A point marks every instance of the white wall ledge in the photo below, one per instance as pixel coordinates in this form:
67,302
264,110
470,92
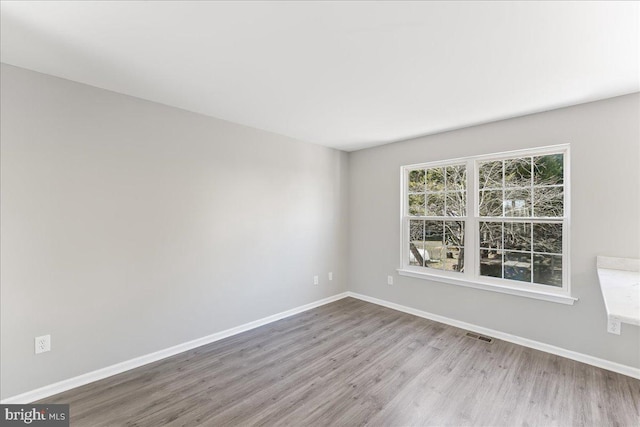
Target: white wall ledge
620,285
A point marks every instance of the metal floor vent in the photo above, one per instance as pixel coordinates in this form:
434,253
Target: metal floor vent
479,337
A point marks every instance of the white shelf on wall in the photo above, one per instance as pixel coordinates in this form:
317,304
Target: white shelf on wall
620,285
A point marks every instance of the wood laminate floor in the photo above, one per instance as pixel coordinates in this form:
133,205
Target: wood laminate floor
353,363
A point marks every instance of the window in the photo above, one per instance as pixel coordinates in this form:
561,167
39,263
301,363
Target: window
437,206
498,222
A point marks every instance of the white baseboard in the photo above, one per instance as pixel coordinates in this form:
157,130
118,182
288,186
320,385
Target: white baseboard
89,377
569,354
118,368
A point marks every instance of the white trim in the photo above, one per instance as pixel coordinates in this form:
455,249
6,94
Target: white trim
537,345
471,276
80,380
549,149
89,377
494,287
471,260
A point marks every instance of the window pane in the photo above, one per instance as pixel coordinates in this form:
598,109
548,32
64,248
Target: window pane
517,266
416,255
417,181
547,270
490,263
456,203
435,179
548,202
517,203
547,238
434,256
434,231
454,233
454,260
435,204
490,174
548,170
517,236
456,177
416,242
416,230
434,238
491,203
416,204
517,172
491,235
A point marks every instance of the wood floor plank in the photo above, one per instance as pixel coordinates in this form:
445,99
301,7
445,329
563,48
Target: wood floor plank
356,363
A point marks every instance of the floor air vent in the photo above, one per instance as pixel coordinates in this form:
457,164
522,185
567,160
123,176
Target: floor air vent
479,337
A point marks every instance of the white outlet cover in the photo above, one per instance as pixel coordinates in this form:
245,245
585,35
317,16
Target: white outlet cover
389,280
614,326
42,344
315,280
330,275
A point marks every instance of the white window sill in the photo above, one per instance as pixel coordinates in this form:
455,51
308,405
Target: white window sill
545,296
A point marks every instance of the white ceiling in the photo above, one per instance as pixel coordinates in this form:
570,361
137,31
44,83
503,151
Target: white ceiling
343,74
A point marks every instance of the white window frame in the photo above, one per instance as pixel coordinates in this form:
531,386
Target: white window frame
471,276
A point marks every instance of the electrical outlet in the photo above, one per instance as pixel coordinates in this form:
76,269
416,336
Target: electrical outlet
330,275
390,280
613,326
43,344
316,280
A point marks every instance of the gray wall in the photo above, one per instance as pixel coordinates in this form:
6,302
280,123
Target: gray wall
605,207
129,227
